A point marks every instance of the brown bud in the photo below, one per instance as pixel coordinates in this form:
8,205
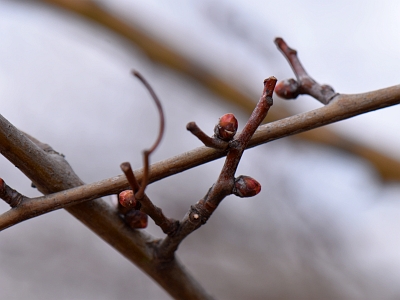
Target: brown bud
127,199
136,219
226,127
287,89
245,186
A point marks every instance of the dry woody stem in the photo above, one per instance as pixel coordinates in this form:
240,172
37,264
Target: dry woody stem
290,88
341,108
146,153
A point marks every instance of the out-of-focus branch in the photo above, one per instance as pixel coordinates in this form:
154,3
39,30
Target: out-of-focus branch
341,108
388,167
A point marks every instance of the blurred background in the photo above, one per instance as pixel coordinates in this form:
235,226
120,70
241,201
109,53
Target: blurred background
325,225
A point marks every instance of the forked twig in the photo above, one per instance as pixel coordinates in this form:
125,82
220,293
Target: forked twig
305,84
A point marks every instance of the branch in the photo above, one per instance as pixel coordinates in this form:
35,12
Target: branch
226,184
341,108
211,142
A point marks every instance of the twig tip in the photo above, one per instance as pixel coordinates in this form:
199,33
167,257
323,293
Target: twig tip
125,166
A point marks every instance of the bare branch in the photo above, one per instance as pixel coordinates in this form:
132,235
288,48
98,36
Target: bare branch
290,88
341,108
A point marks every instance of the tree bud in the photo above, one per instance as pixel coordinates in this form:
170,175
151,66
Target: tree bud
136,219
127,199
287,89
226,127
245,186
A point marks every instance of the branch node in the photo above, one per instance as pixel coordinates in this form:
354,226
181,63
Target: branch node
11,196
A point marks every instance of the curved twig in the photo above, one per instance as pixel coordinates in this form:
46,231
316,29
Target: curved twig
146,153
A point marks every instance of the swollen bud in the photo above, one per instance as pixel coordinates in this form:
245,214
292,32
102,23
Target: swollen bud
287,89
245,186
136,219
226,127
127,199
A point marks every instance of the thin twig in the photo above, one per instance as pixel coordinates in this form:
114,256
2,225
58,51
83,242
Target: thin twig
208,141
167,225
146,153
305,84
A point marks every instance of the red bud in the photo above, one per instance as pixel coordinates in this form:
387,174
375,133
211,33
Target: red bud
287,89
127,199
226,127
245,186
136,219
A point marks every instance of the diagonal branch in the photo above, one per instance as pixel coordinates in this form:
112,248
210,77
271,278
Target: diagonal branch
199,213
51,173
